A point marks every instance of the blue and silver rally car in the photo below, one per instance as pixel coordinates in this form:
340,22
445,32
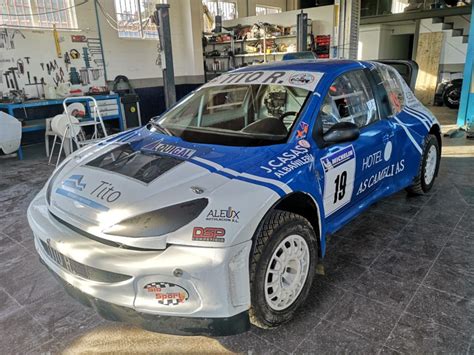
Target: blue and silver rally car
215,214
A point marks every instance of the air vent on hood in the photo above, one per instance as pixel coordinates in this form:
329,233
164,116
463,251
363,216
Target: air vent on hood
124,160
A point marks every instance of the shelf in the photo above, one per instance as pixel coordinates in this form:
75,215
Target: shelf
260,54
253,39
219,57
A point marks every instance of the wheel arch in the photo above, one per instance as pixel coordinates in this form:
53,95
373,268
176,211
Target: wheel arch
300,203
436,131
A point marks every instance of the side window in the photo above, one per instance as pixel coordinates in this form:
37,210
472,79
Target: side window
392,85
350,99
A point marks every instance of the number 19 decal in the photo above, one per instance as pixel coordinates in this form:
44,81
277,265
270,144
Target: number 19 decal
339,171
340,186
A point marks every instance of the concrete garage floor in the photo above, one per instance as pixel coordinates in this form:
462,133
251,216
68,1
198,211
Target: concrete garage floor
400,278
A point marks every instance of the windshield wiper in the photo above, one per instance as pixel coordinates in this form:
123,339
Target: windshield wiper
160,128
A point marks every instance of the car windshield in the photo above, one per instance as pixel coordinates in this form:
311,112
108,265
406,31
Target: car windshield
251,114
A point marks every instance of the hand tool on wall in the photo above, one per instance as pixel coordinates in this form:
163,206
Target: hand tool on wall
7,79
74,54
56,41
67,60
48,68
27,60
84,73
61,73
42,66
29,79
56,64
20,65
35,79
12,70
85,56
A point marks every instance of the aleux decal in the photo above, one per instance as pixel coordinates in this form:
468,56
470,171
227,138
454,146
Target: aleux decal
228,215
209,234
167,293
288,161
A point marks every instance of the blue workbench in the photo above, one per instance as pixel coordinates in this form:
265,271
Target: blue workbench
39,122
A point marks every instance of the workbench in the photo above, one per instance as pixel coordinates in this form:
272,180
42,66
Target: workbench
109,106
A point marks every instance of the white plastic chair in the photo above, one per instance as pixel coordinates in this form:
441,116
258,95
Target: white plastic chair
96,121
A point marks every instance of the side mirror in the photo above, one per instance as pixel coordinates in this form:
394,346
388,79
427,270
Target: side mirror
341,132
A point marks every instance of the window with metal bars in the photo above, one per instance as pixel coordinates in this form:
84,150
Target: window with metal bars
38,13
266,10
226,9
134,18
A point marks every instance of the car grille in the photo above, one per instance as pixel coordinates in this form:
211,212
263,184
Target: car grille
81,270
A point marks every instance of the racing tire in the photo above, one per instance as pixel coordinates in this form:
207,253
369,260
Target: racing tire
452,96
269,282
428,169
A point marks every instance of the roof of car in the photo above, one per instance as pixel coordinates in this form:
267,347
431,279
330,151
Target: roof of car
311,65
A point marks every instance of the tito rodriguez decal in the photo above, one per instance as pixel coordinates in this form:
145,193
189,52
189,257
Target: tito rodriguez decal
304,80
103,191
167,293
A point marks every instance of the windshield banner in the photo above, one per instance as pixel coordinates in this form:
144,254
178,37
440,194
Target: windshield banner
299,79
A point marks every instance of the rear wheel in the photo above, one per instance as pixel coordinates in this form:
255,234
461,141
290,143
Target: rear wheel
429,166
282,268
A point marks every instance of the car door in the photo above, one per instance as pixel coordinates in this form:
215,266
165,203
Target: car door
352,173
408,70
395,98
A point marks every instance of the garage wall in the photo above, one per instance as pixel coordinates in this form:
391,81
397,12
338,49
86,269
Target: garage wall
453,51
384,41
39,45
246,8
136,58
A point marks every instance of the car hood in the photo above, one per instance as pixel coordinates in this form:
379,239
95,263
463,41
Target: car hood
141,171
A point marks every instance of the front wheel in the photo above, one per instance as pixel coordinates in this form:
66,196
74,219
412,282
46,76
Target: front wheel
282,268
429,166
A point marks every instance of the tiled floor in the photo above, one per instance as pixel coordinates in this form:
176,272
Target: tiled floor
400,278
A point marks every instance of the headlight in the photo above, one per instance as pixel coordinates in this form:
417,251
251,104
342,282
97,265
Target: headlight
163,221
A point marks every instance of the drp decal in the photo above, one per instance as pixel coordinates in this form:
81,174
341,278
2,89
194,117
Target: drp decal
339,172
208,234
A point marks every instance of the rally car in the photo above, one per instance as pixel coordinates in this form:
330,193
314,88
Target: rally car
216,213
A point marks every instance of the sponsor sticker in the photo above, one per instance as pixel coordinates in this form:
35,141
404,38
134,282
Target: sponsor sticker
338,158
167,293
304,80
304,143
227,215
170,149
104,192
339,173
302,130
288,161
209,234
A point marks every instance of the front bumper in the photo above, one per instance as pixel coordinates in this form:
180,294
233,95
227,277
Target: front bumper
211,296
